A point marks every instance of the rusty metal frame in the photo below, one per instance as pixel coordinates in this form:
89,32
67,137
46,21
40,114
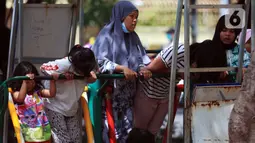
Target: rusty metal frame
187,70
17,23
211,108
186,121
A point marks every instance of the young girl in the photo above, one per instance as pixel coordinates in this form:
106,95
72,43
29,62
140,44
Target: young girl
29,105
62,110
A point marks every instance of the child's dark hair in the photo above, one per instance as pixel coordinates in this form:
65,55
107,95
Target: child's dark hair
22,69
140,136
82,59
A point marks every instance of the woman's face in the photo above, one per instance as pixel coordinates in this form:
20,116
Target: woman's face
227,36
131,20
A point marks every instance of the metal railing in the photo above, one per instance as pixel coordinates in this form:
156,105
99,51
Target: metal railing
4,89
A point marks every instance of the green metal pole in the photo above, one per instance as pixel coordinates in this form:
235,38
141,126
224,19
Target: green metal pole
2,111
95,110
95,99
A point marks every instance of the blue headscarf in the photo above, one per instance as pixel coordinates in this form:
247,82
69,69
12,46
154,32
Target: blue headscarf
115,45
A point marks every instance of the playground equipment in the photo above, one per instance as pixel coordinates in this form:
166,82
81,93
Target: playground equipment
190,115
92,118
21,48
33,39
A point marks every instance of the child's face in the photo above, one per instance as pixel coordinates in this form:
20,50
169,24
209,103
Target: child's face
30,85
247,46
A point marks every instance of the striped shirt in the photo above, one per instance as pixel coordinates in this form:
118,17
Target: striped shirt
159,87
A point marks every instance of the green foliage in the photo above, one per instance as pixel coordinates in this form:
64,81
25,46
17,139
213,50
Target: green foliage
167,17
97,12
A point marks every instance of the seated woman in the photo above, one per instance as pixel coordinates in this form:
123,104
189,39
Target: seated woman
224,39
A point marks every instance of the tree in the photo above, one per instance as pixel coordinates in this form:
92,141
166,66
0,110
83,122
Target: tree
97,12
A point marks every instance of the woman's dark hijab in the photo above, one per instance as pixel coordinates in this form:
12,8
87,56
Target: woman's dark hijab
212,53
219,27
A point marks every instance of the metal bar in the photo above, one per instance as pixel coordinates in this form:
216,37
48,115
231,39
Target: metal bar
99,76
252,25
242,40
173,71
187,123
48,5
216,6
121,76
3,113
36,60
10,66
20,30
73,27
11,56
62,77
13,37
81,22
5,97
216,69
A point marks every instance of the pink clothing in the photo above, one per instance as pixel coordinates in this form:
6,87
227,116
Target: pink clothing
149,113
34,123
247,37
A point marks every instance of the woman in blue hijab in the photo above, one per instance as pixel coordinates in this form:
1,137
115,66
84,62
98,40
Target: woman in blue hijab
118,49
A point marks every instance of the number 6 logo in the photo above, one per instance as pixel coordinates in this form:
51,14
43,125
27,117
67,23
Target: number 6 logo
235,19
